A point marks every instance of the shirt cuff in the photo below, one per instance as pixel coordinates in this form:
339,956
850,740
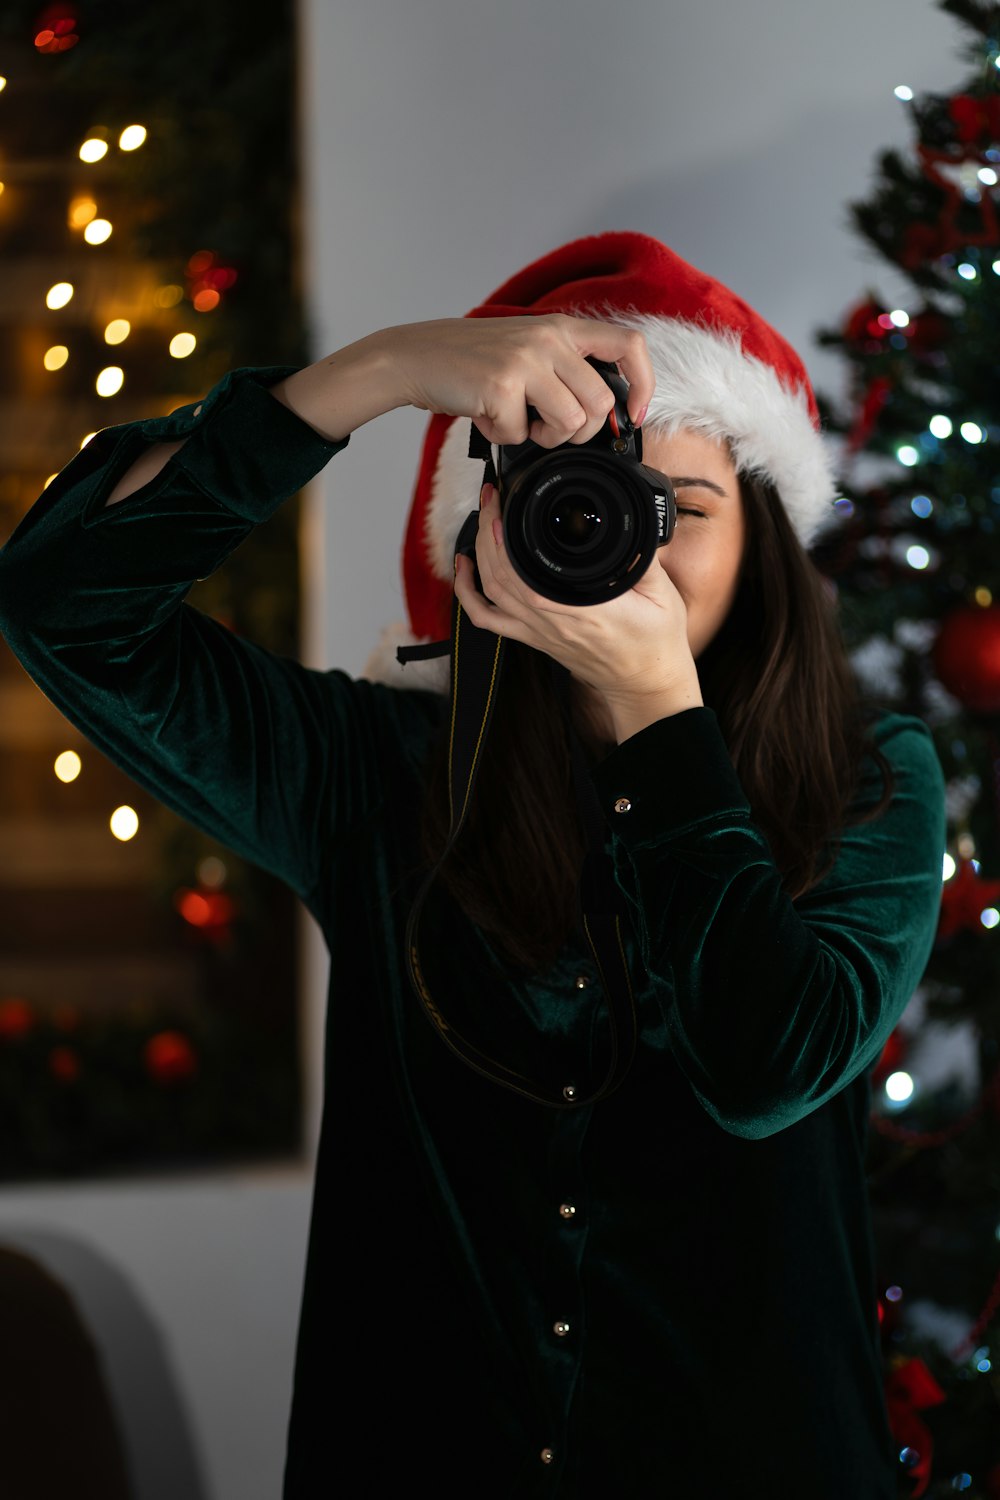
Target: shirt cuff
672,774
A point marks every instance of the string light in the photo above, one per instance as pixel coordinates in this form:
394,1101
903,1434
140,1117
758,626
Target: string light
59,295
97,231
110,381
81,211
972,432
908,456
67,766
903,92
3,83
56,357
949,867
918,557
117,331
132,137
899,1088
168,296
941,426
93,149
182,344
124,823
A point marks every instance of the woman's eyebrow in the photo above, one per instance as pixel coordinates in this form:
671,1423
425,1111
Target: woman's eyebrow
707,484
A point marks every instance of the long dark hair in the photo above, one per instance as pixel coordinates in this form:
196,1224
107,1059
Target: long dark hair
793,715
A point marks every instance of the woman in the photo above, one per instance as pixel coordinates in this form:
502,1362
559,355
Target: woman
671,1290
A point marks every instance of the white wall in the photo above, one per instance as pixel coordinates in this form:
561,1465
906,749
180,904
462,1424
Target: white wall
444,147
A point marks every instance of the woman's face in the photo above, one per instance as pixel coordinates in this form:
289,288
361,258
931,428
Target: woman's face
704,557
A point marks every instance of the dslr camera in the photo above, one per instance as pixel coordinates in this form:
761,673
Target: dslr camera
582,522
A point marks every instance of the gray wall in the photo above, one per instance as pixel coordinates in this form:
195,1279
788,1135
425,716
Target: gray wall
443,148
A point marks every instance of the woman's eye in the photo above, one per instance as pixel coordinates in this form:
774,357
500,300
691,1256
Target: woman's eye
683,511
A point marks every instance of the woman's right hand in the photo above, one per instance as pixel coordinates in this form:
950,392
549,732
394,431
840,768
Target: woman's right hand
491,369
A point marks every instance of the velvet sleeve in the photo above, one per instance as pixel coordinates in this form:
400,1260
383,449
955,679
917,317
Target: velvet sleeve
249,746
771,1007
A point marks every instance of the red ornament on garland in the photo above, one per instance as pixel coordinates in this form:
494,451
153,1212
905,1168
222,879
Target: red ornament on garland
863,325
909,1390
964,898
966,656
893,1053
169,1057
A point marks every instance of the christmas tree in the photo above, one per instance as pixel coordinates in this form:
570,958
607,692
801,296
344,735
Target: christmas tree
916,566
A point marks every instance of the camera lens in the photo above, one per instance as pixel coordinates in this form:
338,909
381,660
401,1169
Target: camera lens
576,522
576,525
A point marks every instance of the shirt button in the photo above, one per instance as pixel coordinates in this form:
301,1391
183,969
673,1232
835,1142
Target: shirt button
560,1329
569,1092
622,804
546,1455
567,1210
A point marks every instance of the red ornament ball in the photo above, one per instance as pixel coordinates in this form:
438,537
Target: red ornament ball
966,656
16,1018
64,1064
169,1057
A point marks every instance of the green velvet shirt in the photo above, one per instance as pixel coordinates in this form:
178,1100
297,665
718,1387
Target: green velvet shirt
669,1292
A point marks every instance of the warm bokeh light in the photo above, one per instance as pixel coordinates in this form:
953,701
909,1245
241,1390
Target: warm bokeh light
124,823
81,211
132,137
168,296
205,301
97,231
183,344
56,357
200,261
3,83
49,480
68,765
212,871
1,187
93,149
58,37
84,442
117,331
110,381
59,295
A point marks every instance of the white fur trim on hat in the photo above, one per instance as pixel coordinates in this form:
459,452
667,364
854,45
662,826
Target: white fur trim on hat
705,381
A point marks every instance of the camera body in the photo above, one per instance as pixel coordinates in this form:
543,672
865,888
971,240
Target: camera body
582,522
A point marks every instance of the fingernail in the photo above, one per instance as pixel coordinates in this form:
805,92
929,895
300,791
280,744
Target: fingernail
485,495
642,415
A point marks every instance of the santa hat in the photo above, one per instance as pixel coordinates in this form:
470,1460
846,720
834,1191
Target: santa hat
719,368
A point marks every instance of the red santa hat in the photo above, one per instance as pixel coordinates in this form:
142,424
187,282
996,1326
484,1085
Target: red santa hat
719,367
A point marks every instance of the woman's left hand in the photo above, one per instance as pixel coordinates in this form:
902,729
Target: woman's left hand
633,647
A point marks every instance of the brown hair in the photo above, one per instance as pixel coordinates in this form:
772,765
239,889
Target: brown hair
777,676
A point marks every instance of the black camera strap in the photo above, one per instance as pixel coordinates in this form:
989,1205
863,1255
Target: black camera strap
477,660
